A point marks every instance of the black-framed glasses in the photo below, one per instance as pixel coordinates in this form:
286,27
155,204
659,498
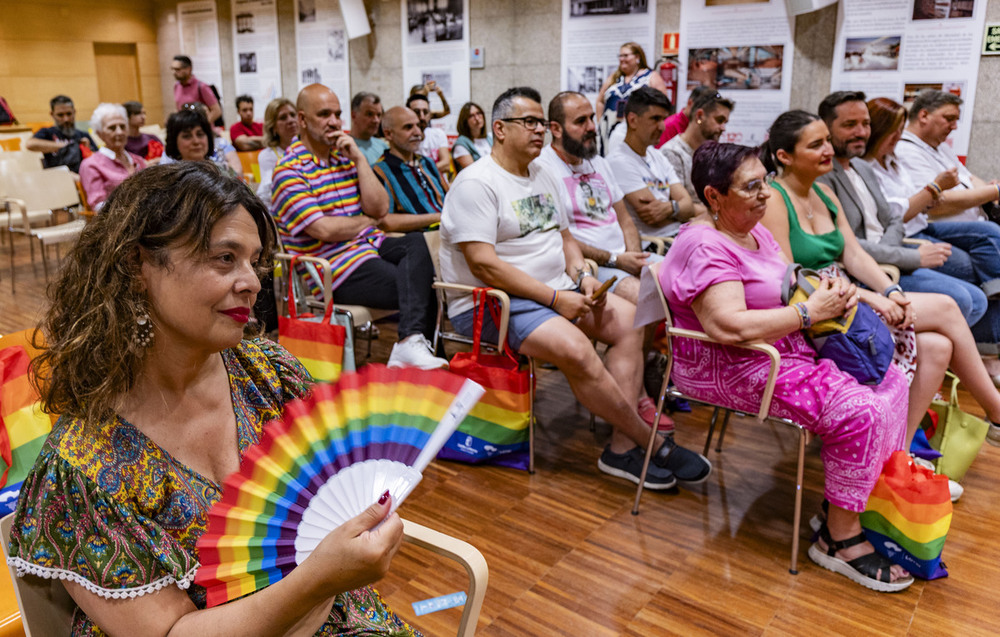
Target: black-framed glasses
755,186
531,123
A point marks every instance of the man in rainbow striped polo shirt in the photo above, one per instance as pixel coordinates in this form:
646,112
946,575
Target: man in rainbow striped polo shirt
328,203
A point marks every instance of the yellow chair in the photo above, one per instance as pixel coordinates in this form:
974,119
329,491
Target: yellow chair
763,414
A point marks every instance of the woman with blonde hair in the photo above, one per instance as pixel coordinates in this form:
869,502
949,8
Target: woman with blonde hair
281,126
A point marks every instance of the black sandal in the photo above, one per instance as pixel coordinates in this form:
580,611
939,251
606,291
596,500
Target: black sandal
871,570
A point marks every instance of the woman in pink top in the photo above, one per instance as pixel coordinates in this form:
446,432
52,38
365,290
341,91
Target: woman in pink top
112,164
723,276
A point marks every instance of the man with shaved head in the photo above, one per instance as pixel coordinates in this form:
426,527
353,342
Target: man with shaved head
328,203
412,181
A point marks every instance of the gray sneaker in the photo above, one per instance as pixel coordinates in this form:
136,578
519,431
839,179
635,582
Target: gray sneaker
628,465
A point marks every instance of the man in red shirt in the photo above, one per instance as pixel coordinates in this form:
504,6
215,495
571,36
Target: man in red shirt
189,89
246,134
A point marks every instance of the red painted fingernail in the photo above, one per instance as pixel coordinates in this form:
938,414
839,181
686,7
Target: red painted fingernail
385,496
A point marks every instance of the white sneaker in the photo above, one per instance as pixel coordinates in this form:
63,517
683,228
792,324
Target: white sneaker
993,435
415,351
954,489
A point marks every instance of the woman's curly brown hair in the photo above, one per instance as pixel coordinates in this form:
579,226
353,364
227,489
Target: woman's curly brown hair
90,357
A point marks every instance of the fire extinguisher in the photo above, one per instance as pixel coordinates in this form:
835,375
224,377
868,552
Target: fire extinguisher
668,71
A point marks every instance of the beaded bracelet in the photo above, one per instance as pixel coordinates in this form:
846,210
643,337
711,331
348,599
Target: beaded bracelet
804,315
934,189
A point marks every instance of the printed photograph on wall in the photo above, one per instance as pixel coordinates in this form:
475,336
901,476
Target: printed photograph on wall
585,79
910,91
244,23
248,62
736,67
434,20
722,3
441,78
580,8
307,11
942,9
872,54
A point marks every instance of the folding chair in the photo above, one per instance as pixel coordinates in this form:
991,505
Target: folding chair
763,414
47,609
43,191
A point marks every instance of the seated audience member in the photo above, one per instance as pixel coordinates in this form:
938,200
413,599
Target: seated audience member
435,144
190,90
654,194
281,125
111,164
923,152
934,267
711,114
414,185
149,147
473,136
62,144
679,121
190,137
246,134
426,89
807,223
504,226
722,276
328,203
160,395
366,120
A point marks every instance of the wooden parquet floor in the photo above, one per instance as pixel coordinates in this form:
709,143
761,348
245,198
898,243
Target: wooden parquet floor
566,556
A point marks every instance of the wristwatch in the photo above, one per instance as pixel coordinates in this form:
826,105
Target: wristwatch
676,206
893,288
612,261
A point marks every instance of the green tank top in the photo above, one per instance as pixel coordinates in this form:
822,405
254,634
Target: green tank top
814,251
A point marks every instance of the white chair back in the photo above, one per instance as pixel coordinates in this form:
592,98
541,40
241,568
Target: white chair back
43,189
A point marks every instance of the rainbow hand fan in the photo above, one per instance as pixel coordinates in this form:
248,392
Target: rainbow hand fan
330,457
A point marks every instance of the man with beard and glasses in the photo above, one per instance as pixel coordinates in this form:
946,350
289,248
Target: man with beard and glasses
412,181
654,194
328,203
62,144
709,116
504,225
960,269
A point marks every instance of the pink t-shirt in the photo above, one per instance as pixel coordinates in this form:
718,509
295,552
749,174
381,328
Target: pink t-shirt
701,256
672,127
194,91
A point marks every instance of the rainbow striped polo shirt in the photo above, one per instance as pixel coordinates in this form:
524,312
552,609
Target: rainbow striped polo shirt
303,191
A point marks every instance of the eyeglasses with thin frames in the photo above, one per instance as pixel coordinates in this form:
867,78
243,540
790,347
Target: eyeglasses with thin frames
531,123
754,187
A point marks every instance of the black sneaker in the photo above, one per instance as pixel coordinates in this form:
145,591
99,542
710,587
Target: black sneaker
688,466
652,373
628,465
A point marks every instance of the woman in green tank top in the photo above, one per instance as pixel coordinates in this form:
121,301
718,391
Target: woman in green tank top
807,223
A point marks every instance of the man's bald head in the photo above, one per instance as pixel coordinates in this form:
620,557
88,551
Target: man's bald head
401,128
319,117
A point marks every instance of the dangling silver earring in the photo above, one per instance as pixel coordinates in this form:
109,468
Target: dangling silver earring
143,330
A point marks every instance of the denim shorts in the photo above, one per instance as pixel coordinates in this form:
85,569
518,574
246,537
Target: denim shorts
525,317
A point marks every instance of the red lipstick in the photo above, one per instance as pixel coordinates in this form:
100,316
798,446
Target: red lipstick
238,314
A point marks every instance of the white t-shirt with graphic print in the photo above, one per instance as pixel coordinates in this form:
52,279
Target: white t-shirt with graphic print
634,172
588,192
522,217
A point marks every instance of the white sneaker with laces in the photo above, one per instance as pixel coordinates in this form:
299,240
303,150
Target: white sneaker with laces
954,489
415,351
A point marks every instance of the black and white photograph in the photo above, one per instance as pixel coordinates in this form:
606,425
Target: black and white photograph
942,9
307,11
311,76
872,54
244,23
580,8
336,45
585,79
430,21
442,78
248,62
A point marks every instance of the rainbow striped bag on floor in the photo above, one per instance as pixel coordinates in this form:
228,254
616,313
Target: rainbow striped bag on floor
319,345
496,429
908,516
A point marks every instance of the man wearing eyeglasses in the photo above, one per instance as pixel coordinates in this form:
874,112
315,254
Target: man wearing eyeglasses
504,226
654,194
189,89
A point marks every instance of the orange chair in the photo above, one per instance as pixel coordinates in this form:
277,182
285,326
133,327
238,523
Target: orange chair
11,143
251,167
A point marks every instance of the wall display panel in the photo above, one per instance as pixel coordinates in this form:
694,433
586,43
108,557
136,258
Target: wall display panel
744,49
257,62
895,48
593,32
198,28
436,49
321,48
